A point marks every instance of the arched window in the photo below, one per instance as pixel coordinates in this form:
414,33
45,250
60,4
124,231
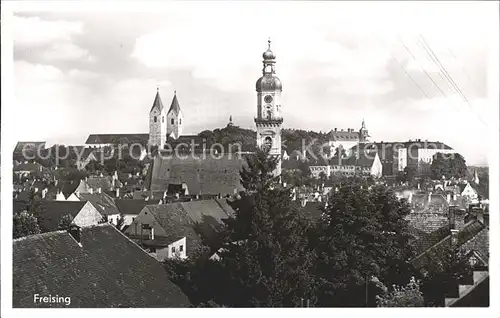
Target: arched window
156,119
269,114
162,119
180,121
268,143
172,121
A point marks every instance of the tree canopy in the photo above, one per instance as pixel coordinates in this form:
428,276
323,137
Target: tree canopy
448,165
24,224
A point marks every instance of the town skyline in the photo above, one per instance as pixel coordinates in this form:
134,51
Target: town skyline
334,73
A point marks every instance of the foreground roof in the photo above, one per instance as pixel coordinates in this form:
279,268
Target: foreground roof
107,270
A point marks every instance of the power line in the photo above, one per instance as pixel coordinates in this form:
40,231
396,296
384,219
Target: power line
436,61
448,76
409,75
432,57
421,67
469,80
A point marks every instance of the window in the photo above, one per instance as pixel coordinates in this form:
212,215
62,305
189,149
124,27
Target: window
173,249
156,119
180,121
162,119
172,121
181,248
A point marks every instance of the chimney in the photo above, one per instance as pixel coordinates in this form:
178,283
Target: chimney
335,129
410,197
454,196
91,191
448,198
454,237
101,175
76,232
451,217
99,190
429,198
418,185
117,192
44,192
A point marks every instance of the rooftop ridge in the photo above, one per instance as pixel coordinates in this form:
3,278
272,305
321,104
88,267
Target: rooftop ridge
38,236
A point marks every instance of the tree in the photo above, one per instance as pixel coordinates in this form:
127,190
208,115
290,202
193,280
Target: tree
363,234
259,172
65,222
448,165
265,257
24,224
404,296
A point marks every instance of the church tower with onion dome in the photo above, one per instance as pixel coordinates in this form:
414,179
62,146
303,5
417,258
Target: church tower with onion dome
269,117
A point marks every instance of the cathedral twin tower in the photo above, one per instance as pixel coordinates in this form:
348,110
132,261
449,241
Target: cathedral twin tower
268,122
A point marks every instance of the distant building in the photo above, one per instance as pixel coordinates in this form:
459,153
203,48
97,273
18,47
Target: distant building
396,156
346,139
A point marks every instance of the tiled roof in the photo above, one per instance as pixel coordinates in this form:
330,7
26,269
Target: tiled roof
108,270
470,230
30,166
101,201
343,135
52,212
176,223
202,176
130,206
95,182
121,138
427,240
32,145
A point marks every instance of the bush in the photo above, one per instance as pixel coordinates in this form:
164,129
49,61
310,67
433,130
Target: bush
405,296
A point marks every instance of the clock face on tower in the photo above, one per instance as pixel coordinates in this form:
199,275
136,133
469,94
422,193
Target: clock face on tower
268,98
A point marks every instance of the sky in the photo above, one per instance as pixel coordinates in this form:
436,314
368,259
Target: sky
81,72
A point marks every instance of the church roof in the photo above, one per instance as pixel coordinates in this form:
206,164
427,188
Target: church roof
120,138
174,107
157,102
208,175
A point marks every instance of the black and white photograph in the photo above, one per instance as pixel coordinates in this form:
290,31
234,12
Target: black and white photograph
248,154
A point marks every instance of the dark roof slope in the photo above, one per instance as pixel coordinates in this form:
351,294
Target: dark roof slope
108,270
52,212
157,102
201,175
120,138
130,206
174,107
102,202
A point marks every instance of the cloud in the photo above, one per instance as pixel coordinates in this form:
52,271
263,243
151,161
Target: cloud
35,31
67,52
54,37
